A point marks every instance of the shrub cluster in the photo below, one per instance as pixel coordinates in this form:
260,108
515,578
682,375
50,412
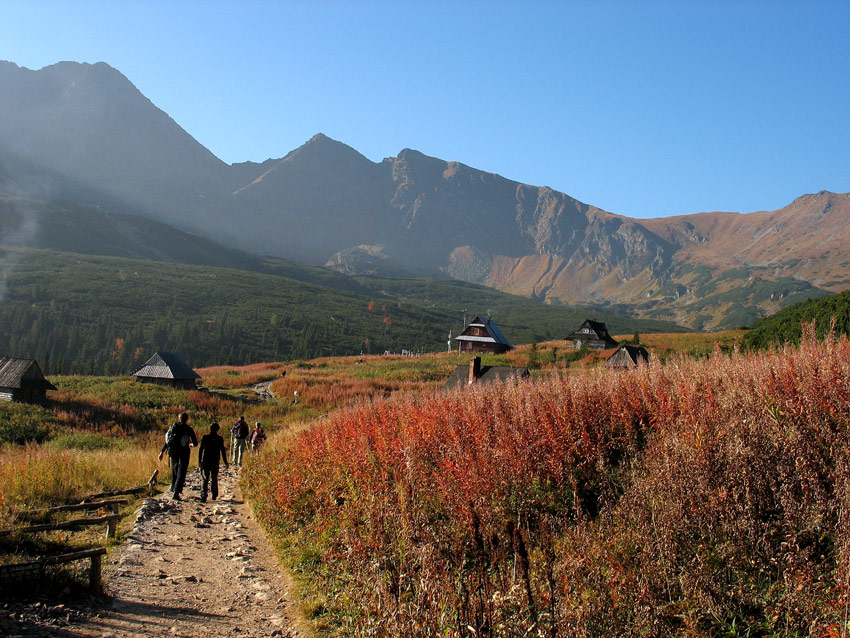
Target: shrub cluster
699,498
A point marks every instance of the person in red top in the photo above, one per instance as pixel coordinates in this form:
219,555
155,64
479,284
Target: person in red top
258,436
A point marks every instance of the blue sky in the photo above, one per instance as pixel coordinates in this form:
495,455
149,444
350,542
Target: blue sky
645,109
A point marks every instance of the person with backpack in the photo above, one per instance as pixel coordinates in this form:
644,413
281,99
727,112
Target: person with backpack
240,439
212,446
258,436
179,441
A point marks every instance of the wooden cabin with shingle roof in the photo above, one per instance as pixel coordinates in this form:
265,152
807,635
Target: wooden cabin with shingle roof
167,368
628,356
22,380
482,335
475,373
592,334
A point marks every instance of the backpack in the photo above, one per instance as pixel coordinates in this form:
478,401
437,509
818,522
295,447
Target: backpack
240,430
176,438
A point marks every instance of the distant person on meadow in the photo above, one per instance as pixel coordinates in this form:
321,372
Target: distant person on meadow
258,436
179,441
239,432
212,447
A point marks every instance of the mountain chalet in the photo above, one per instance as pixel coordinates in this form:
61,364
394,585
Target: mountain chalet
592,334
482,335
22,380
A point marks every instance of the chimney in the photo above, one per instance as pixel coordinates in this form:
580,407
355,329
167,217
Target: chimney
474,369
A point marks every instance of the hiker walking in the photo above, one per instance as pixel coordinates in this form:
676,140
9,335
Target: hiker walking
258,437
233,437
179,441
212,446
240,440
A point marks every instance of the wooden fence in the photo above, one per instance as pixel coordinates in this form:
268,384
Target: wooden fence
34,570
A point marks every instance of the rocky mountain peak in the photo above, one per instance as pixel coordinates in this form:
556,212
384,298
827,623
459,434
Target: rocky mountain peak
323,151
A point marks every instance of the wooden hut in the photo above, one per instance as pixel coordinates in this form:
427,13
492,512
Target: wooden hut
22,380
482,335
167,368
592,334
464,376
628,357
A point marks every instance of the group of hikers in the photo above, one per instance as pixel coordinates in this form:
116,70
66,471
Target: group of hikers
180,439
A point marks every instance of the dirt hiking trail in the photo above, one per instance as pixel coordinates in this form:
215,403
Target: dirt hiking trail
191,570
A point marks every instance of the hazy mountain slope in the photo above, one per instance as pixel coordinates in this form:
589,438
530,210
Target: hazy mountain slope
321,198
61,225
84,133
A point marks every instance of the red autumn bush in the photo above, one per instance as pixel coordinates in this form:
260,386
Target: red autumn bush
700,498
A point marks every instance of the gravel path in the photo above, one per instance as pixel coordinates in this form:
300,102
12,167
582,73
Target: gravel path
189,569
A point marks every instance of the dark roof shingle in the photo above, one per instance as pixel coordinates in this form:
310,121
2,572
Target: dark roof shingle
166,365
23,374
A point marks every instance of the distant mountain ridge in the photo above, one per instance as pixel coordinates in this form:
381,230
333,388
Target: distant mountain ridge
85,134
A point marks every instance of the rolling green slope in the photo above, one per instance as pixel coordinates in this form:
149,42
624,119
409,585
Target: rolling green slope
86,313
786,325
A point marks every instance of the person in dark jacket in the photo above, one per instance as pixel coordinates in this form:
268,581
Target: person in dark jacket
240,432
212,446
179,441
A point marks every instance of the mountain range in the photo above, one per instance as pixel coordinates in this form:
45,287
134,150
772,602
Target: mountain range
80,141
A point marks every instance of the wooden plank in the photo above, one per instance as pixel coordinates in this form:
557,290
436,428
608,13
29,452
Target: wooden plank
74,524
34,570
93,505
132,490
95,579
67,558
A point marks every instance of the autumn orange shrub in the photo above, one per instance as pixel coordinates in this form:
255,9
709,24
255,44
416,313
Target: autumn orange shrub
703,497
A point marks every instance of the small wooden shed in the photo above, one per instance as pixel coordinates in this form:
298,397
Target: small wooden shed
592,334
628,357
167,368
482,335
22,380
475,373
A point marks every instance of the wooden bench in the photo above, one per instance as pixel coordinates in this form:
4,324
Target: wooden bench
34,570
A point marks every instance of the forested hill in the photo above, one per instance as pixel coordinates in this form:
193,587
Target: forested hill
786,325
94,314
